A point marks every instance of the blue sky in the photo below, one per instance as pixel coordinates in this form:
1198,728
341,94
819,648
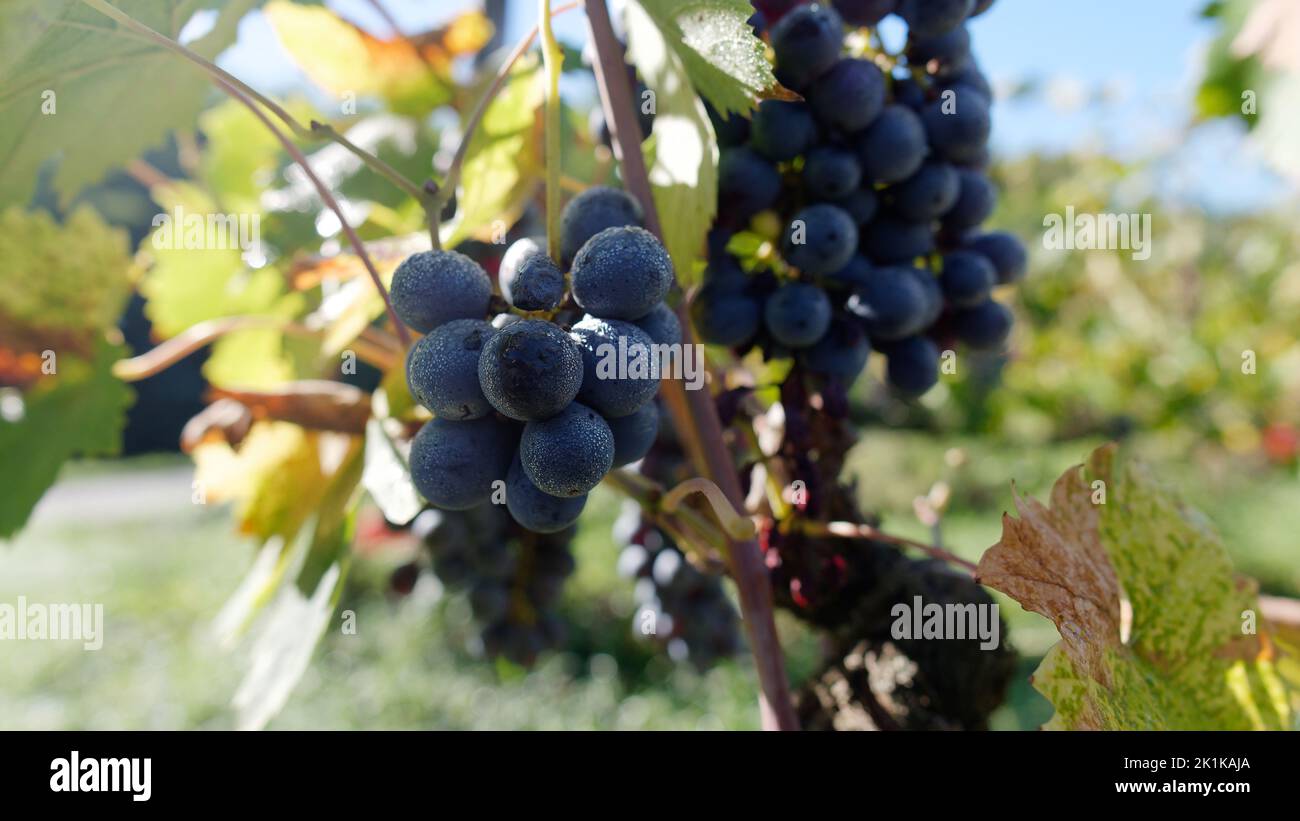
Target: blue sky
1141,55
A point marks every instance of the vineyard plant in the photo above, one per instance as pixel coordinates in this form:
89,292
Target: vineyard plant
658,363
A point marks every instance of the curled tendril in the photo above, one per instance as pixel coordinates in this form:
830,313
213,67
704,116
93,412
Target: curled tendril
736,525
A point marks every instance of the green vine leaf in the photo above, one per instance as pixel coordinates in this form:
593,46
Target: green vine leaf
79,88
682,156
717,49
78,411
1154,623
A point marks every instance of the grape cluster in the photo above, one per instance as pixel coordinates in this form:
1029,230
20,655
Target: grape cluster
551,395
678,605
512,576
875,184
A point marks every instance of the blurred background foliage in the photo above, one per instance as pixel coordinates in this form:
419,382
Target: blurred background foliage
1106,346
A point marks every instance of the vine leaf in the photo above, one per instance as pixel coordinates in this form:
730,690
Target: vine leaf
112,95
681,155
79,411
1151,615
717,49
503,158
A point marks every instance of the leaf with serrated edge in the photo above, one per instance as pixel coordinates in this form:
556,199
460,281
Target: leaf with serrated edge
719,52
1147,604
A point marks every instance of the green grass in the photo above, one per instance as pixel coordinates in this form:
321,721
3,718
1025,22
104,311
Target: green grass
162,573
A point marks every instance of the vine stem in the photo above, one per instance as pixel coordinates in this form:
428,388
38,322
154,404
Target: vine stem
694,415
553,58
246,95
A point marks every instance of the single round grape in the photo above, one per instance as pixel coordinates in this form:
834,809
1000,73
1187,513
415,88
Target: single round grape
908,92
621,273
831,173
538,511
820,239
925,195
893,147
890,240
747,183
430,288
893,304
853,275
976,198
932,18
723,315
849,96
948,52
662,325
984,326
1006,253
933,294
530,370
530,280
591,212
453,464
732,130
913,365
970,78
797,314
782,130
967,278
635,434
807,42
958,125
841,353
619,369
568,454
442,369
864,12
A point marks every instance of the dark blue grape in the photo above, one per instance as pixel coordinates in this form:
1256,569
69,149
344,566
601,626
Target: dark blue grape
662,325
908,92
984,326
731,130
968,78
947,53
893,304
820,239
568,454
967,278
530,370
853,275
537,511
442,369
747,183
888,239
976,198
724,315
634,434
530,280
841,353
453,464
913,365
607,344
1006,253
725,273
782,130
831,173
958,125
849,96
591,212
932,18
807,42
933,294
925,195
621,273
861,205
864,12
797,314
981,6
893,147
433,287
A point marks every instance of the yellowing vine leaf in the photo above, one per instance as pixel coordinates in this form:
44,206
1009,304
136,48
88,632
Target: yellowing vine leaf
80,89
1153,620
